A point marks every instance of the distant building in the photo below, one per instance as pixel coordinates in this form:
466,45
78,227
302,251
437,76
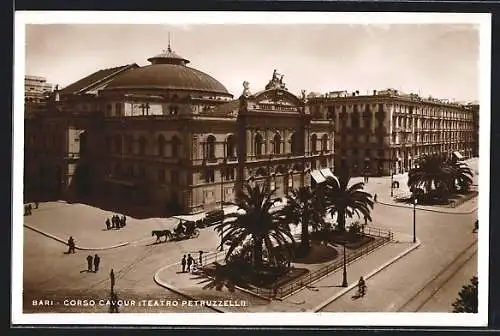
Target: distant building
36,93
385,132
171,139
474,108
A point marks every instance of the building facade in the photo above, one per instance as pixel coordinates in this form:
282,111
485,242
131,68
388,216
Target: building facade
383,133
36,93
172,139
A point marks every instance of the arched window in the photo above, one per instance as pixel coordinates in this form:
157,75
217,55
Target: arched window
314,140
277,143
161,145
294,144
176,143
210,152
118,144
258,142
230,147
142,145
129,143
355,119
324,143
109,143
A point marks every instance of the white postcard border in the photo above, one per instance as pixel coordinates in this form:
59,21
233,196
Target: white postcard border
483,20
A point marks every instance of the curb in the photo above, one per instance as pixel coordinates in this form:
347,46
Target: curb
430,210
369,275
166,285
76,247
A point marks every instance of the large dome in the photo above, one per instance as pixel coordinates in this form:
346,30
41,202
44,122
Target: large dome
168,71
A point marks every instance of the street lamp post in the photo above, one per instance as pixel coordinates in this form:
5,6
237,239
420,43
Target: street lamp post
222,187
344,274
414,218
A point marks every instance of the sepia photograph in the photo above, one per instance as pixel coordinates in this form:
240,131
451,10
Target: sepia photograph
169,167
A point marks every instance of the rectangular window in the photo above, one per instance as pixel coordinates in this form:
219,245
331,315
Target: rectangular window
209,175
161,175
174,177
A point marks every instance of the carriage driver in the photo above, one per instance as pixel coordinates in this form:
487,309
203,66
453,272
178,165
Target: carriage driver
180,228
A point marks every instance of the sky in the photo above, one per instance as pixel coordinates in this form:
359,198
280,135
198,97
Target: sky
441,60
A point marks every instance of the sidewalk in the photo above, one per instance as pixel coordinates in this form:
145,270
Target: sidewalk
305,299
59,221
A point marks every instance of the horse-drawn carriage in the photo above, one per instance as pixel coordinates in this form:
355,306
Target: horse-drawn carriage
183,230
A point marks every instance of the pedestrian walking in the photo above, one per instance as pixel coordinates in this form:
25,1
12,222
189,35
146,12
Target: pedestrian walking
30,208
375,198
36,205
476,226
124,220
97,261
112,279
183,263
71,245
108,224
89,263
189,262
201,258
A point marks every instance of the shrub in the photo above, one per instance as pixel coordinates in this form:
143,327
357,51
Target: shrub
467,298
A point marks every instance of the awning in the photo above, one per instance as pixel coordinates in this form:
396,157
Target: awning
458,155
327,172
317,176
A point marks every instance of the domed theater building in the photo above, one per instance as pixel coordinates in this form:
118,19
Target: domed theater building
171,139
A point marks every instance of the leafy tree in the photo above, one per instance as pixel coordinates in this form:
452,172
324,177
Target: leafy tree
467,298
346,201
256,225
304,208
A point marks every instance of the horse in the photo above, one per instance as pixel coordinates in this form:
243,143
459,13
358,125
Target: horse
161,233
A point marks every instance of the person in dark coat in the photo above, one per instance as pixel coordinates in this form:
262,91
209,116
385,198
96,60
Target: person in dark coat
375,198
108,224
189,262
36,205
30,207
71,245
183,263
89,263
124,221
97,261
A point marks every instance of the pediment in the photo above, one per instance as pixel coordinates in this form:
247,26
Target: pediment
277,97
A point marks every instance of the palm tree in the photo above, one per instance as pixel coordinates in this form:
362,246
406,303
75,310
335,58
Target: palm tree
462,175
345,200
256,225
432,173
304,208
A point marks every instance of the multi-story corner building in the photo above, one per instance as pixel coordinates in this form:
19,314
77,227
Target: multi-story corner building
384,132
172,139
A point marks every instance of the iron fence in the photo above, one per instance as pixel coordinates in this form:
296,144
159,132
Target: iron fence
383,235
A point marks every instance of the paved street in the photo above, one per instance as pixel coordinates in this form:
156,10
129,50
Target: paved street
50,273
